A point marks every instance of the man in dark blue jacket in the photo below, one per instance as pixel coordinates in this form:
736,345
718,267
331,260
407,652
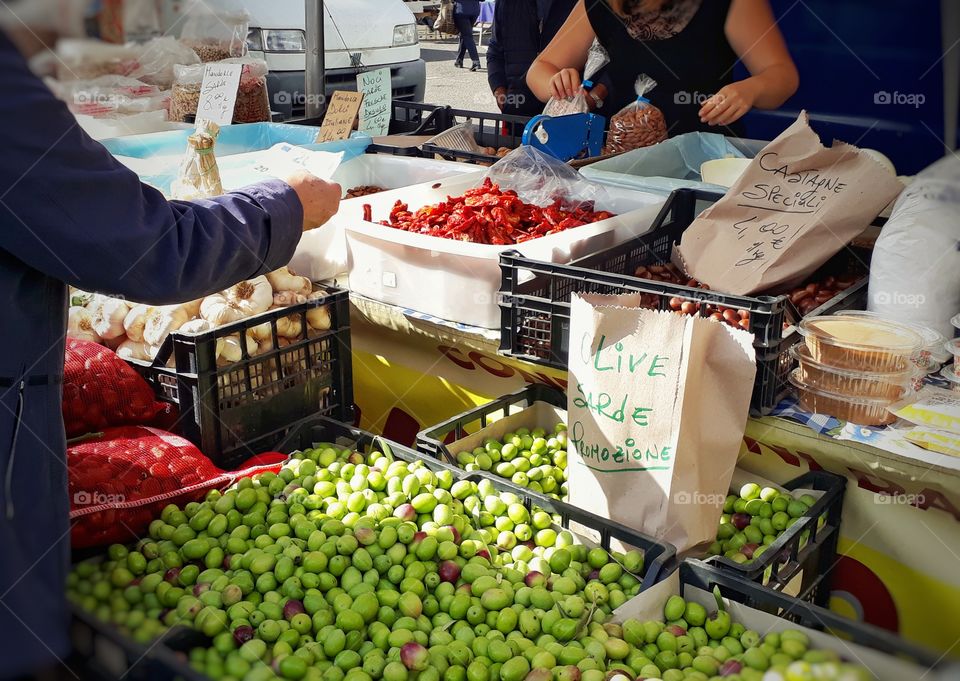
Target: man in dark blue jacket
69,212
521,29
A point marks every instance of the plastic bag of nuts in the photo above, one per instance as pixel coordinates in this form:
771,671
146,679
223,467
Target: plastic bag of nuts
215,36
253,103
639,124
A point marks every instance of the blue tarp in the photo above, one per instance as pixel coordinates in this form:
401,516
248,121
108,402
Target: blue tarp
670,165
156,156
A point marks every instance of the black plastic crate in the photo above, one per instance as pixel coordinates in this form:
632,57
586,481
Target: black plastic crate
814,555
490,130
434,441
535,297
703,576
659,557
233,412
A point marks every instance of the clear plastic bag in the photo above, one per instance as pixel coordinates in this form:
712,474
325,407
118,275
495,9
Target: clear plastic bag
199,176
253,102
110,95
639,124
597,58
89,59
141,20
541,179
216,35
157,60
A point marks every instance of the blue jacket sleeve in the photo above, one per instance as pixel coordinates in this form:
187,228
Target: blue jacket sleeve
496,66
72,211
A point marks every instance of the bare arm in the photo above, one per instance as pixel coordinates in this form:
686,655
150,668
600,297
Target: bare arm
755,37
557,71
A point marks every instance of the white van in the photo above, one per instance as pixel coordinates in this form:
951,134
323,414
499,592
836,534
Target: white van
358,34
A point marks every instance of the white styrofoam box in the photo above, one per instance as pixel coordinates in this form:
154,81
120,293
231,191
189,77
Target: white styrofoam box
322,253
456,280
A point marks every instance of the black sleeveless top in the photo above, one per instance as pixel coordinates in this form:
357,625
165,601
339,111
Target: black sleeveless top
688,67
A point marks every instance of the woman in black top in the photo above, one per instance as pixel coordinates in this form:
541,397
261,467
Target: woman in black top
688,46
465,14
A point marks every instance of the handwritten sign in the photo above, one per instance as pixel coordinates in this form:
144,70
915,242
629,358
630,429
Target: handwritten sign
341,113
218,93
794,207
646,393
377,101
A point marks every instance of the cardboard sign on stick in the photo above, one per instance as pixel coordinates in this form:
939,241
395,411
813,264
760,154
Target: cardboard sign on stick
796,205
657,405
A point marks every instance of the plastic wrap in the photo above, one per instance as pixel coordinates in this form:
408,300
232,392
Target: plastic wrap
597,58
216,35
253,103
541,179
639,124
89,59
141,20
157,59
110,96
199,176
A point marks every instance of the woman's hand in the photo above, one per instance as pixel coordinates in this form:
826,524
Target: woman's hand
565,83
729,104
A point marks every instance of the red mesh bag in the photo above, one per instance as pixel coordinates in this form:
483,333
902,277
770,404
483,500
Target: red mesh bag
100,390
121,480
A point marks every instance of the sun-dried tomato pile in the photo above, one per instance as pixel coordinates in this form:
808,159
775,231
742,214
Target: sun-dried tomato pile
488,215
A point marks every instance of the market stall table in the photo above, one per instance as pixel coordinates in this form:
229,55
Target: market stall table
901,520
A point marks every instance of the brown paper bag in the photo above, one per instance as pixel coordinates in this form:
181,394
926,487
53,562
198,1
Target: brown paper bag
657,405
797,204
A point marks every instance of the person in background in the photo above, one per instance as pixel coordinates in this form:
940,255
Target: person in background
521,29
70,213
465,14
689,47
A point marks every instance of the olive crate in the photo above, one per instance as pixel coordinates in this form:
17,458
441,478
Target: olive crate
732,587
490,130
807,548
535,297
659,557
232,412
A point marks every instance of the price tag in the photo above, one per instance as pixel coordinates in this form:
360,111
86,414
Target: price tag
338,121
377,99
218,93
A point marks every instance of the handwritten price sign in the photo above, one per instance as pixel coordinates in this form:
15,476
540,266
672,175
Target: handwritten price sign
342,112
218,93
377,100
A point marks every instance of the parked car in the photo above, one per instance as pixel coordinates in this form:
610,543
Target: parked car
358,35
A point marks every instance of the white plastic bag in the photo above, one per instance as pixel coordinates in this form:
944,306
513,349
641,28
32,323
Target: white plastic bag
541,179
82,59
215,35
107,96
141,20
597,58
915,270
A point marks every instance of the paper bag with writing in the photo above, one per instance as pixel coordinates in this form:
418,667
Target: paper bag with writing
657,406
797,204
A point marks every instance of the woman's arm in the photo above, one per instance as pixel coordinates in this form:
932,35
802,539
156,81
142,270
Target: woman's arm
754,36
556,72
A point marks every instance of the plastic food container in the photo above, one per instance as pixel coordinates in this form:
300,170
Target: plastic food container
931,356
861,343
865,411
949,372
953,347
854,383
724,171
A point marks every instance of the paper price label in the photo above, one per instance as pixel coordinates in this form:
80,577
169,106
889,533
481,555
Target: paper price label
377,100
218,93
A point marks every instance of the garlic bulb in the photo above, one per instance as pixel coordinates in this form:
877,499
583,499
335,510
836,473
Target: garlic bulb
319,318
232,351
284,279
290,327
195,326
108,319
287,298
164,319
261,332
130,349
246,299
134,321
80,324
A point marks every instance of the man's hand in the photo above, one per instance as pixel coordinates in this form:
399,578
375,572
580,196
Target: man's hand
320,199
500,94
